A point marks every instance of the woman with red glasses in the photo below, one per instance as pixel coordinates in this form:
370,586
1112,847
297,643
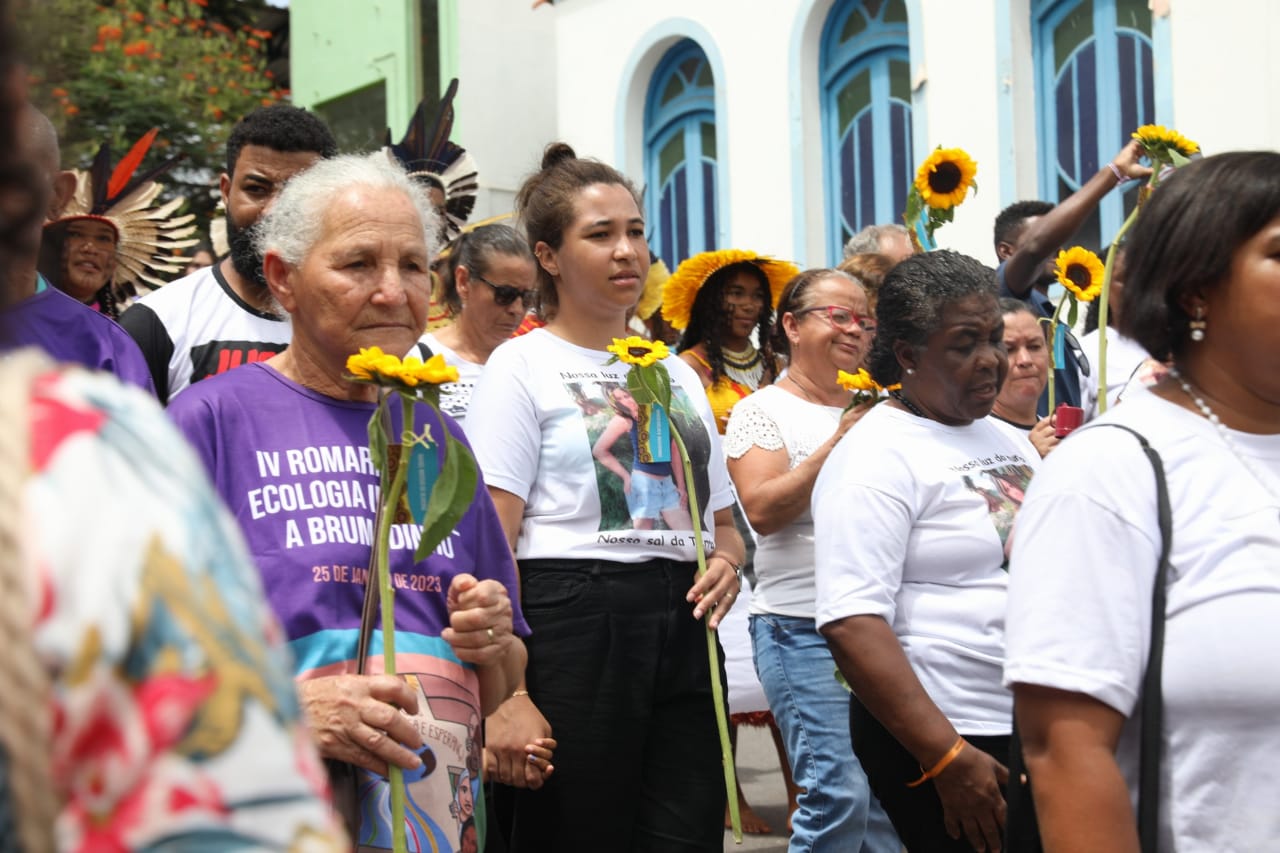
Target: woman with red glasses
491,284
777,441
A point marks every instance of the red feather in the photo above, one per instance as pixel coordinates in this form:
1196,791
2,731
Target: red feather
124,171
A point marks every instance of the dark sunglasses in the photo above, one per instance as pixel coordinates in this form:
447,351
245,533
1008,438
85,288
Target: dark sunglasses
505,294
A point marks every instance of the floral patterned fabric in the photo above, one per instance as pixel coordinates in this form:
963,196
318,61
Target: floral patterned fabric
176,724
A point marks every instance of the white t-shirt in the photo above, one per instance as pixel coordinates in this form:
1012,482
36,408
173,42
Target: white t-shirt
773,419
1080,609
912,521
455,397
196,327
1124,356
535,417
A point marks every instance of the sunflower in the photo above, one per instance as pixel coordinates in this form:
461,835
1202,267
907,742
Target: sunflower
860,381
373,365
638,351
945,178
680,291
1160,142
1080,271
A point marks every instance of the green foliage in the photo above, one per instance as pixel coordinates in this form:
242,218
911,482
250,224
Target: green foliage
111,72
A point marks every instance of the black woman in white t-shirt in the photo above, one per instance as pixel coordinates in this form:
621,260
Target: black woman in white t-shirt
912,515
1202,289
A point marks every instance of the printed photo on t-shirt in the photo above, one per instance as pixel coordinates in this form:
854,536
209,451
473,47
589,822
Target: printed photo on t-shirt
639,477
1003,489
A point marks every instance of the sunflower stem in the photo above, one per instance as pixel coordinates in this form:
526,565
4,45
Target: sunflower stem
1053,352
1107,269
391,500
717,691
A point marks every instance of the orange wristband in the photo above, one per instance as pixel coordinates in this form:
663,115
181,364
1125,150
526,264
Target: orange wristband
943,763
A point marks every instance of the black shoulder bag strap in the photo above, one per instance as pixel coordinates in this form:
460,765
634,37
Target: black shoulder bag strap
1022,837
1152,686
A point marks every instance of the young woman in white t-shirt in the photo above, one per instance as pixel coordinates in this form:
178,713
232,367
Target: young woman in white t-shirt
777,442
618,668
1203,288
912,515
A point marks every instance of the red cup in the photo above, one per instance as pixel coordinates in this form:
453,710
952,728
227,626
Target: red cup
1066,419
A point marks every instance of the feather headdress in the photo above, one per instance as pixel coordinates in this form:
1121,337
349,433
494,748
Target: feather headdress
429,156
147,235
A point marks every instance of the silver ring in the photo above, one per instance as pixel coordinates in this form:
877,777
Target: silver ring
492,638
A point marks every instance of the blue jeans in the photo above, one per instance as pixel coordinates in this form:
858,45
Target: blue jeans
837,811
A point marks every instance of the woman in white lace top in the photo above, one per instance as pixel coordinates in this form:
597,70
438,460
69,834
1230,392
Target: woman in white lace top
777,440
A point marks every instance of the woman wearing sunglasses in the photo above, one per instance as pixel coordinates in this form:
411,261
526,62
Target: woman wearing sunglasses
493,283
777,441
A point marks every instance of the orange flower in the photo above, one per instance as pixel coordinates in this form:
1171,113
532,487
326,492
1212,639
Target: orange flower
208,59
190,75
98,48
203,4
266,102
254,43
106,32
213,90
175,20
217,114
232,84
247,68
137,48
262,34
71,109
155,55
137,17
59,92
268,74
222,28
147,28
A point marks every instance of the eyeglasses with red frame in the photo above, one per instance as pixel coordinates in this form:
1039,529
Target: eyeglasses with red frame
843,319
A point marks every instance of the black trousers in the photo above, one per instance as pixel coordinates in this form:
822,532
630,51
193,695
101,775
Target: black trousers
619,667
916,813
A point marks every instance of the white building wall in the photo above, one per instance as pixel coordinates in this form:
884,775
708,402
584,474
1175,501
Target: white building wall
974,88
507,86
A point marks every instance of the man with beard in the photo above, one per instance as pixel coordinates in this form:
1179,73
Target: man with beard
1028,236
222,316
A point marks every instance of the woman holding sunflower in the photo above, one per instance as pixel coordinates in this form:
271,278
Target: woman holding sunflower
618,664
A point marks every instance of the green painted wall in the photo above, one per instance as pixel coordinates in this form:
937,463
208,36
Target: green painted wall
338,47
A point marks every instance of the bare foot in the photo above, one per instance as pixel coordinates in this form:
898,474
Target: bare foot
752,823
793,794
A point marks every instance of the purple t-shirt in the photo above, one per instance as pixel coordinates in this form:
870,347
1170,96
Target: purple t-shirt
72,332
293,466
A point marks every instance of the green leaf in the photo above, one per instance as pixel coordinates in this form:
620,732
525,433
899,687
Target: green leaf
1073,312
452,495
1176,158
378,437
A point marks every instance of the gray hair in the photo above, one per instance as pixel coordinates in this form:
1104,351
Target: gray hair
868,239
295,222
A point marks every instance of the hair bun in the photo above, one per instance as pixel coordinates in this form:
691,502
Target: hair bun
556,153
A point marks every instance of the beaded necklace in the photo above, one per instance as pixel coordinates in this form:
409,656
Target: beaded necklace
745,367
910,406
1212,417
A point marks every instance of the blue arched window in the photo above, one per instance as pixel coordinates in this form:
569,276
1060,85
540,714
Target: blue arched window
680,155
1095,86
865,75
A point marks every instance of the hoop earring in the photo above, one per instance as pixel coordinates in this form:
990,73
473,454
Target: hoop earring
1198,325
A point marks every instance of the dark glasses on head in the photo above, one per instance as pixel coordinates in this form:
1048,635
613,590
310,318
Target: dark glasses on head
843,319
505,294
